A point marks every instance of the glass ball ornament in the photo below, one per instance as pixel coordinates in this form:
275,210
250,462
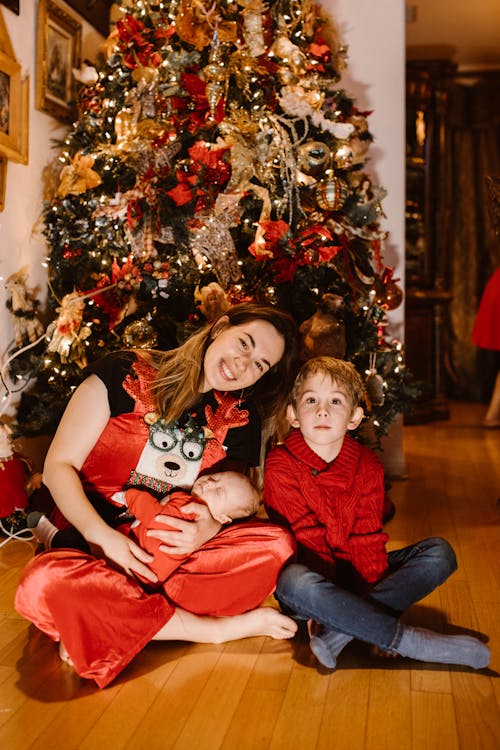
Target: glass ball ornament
313,157
331,193
140,334
388,295
343,156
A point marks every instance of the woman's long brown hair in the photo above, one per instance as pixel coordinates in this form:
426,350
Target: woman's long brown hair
180,371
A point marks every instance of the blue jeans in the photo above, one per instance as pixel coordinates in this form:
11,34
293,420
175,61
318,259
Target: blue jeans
413,573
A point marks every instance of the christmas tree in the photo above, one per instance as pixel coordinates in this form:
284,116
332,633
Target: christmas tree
216,158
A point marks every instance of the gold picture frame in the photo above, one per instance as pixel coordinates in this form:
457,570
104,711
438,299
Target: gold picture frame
14,110
14,106
58,52
3,181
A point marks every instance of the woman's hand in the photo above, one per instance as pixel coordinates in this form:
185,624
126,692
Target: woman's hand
188,535
127,555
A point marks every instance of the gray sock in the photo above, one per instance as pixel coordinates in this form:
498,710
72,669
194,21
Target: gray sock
327,645
426,645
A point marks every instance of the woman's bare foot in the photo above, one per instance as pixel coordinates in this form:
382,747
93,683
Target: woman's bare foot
63,654
185,626
271,622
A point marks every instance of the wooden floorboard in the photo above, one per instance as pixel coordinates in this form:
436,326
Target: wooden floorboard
260,694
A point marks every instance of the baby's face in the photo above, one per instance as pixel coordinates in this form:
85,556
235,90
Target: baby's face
228,494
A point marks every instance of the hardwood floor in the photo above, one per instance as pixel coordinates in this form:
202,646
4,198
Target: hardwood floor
259,693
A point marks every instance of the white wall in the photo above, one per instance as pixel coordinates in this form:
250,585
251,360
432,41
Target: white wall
21,242
375,35
375,77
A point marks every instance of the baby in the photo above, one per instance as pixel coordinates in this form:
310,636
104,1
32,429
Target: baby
227,494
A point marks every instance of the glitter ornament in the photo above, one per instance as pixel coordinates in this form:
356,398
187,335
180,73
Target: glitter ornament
211,239
140,334
215,75
374,384
331,193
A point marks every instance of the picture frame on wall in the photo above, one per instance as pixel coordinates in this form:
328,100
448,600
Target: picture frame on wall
14,110
58,52
3,181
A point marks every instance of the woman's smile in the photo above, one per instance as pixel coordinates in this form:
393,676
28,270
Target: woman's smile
226,372
238,356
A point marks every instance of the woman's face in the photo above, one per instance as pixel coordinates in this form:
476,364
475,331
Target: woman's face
241,354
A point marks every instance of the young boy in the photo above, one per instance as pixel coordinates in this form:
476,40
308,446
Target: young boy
229,495
329,490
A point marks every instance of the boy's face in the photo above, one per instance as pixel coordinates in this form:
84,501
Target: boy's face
324,414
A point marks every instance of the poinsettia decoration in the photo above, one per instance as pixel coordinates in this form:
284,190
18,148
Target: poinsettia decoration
203,177
125,278
312,246
139,43
192,112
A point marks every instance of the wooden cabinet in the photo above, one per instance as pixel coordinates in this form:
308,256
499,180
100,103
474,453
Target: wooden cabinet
427,218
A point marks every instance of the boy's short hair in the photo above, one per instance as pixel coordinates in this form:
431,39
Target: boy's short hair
343,373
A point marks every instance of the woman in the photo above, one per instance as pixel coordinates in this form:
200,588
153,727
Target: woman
156,421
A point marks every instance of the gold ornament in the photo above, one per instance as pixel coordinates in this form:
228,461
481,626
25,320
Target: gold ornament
215,77
253,31
140,334
343,156
331,193
78,177
124,129
110,44
290,54
211,300
313,158
210,238
189,25
67,334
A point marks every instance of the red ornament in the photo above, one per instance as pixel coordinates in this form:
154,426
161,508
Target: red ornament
393,296
386,293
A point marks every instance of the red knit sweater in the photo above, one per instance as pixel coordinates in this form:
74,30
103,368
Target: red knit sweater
334,510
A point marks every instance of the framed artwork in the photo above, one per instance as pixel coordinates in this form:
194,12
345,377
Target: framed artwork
12,5
3,181
14,110
96,12
58,52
